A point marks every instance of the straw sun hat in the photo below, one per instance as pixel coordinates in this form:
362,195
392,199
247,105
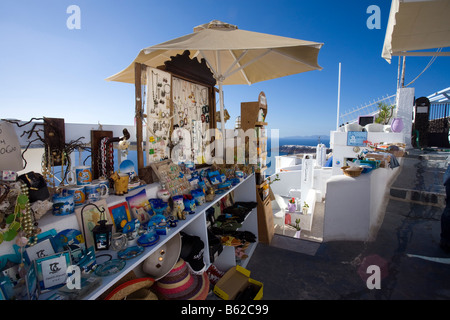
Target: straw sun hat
136,289
182,284
159,263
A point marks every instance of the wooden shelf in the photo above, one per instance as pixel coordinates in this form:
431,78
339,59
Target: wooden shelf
265,219
250,113
262,184
227,259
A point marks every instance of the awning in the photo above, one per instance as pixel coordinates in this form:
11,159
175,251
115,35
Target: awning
234,56
442,96
417,25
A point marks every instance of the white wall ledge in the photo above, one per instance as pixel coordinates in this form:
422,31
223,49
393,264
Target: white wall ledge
355,207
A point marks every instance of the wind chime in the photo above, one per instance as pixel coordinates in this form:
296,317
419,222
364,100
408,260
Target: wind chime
49,158
106,162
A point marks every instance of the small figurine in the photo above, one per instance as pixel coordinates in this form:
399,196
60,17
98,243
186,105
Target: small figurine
121,181
172,222
210,194
178,213
189,204
178,202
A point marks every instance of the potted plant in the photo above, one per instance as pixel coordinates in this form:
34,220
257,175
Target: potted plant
298,228
305,208
277,178
385,113
291,205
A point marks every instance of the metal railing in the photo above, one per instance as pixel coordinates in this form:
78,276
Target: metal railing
368,109
439,110
438,117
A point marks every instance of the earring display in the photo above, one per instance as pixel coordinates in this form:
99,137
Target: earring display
172,104
191,112
197,141
158,99
181,151
171,176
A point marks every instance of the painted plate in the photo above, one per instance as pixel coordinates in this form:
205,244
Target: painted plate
148,239
110,267
130,252
127,166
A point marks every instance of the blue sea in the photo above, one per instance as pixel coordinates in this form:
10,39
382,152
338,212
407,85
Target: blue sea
300,141
272,152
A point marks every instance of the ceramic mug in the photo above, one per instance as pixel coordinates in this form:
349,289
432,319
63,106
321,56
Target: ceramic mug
81,174
121,183
103,181
95,191
63,204
79,195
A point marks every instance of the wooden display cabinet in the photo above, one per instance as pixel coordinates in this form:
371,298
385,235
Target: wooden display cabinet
253,116
250,112
266,229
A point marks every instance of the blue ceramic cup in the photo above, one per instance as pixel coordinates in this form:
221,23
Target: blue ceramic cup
105,182
81,174
79,195
95,191
63,204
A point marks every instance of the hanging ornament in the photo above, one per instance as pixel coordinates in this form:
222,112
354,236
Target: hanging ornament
23,209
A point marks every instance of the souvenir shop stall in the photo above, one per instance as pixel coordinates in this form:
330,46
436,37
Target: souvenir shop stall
135,230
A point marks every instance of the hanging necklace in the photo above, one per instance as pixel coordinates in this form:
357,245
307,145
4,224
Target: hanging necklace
204,95
155,78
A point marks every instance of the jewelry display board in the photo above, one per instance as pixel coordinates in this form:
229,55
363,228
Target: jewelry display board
190,112
169,175
179,100
177,114
159,115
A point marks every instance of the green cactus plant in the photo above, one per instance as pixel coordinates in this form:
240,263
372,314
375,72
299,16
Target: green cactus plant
385,113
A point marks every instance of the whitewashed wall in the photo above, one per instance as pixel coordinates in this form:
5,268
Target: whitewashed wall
354,207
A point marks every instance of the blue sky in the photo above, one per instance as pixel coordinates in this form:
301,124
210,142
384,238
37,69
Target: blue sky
49,70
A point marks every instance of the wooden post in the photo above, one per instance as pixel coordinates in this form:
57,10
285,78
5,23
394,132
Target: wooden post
138,114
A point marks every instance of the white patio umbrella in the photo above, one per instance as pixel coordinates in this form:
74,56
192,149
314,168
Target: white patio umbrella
417,25
234,56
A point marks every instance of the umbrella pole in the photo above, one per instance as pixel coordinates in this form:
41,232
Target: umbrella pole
222,118
138,114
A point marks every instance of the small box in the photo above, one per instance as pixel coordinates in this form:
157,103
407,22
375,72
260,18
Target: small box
396,151
162,229
8,175
236,284
385,158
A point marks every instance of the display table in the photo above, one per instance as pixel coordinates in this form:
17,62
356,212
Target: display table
195,224
342,150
